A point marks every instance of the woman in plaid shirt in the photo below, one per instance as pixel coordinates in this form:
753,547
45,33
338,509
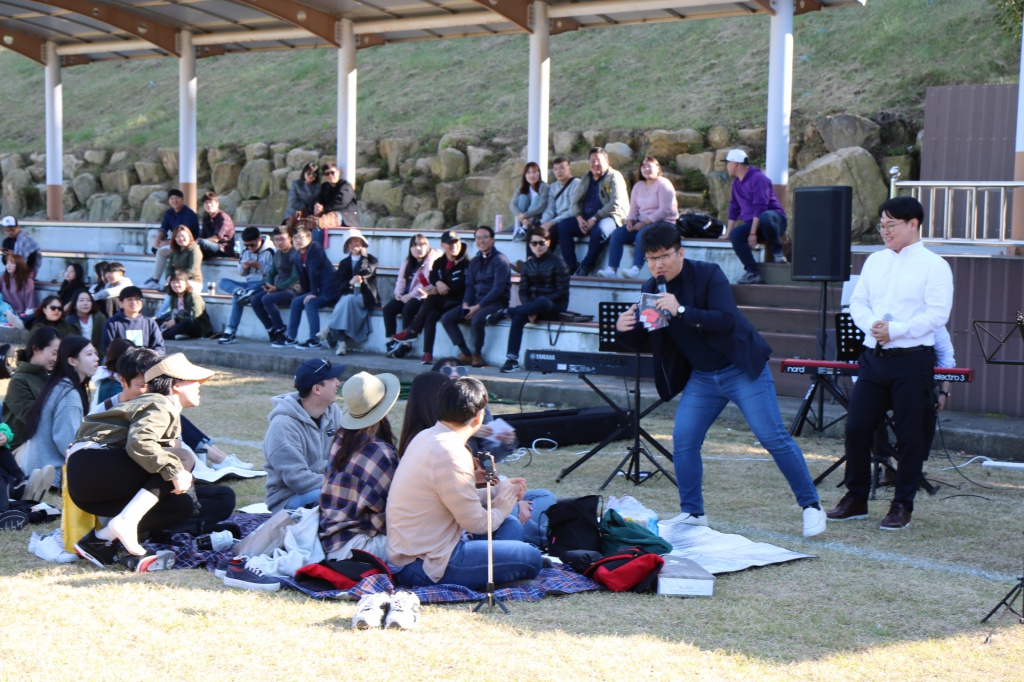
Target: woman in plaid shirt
363,461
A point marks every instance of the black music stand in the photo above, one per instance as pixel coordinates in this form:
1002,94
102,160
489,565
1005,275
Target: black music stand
608,313
849,345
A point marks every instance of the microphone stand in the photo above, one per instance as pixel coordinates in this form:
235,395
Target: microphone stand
490,477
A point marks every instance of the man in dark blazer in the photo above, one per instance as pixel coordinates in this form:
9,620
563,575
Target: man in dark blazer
707,350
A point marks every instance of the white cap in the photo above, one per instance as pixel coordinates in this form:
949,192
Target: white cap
737,155
8,221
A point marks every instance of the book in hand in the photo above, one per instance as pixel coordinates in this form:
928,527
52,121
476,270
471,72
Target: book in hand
650,316
682,577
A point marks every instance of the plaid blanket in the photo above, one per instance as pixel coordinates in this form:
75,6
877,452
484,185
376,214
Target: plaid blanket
551,581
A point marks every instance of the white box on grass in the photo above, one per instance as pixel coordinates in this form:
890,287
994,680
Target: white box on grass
682,577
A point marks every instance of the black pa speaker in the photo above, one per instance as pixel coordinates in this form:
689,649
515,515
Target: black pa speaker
821,233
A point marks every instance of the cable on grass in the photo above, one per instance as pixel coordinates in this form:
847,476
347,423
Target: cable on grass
945,450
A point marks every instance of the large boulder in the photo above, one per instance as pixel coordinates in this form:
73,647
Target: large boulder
595,138
430,220
71,164
254,180
667,144
118,181
119,157
853,166
96,157
380,193
848,130
297,158
19,193
37,172
718,137
230,202
270,210
224,176
458,140
245,212
169,158
366,151
578,168
448,194
451,164
138,194
150,172
364,175
10,162
394,222
690,199
414,205
620,156
478,156
756,138
104,207
85,185
719,193
904,162
397,149
565,141
278,153
476,184
499,190
468,211
257,150
704,162
154,207
68,198
279,179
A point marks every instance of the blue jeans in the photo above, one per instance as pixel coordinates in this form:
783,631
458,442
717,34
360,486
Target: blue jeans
235,288
519,317
703,399
535,531
467,566
312,313
303,499
771,225
265,306
569,229
621,236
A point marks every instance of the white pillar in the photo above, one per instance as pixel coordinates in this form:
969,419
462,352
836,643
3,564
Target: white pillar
54,135
539,90
347,94
187,91
1017,217
780,95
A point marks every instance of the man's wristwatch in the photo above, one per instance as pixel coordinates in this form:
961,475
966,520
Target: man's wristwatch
680,310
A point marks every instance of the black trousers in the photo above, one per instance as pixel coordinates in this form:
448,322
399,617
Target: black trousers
903,383
394,308
428,315
102,481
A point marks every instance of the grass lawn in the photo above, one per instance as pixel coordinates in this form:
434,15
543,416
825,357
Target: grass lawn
873,605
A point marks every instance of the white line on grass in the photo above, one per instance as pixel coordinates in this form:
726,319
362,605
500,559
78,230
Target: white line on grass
246,443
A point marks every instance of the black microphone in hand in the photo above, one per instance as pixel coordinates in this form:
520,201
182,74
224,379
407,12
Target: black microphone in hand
662,290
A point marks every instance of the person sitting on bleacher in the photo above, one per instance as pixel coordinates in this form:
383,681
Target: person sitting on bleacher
529,201
447,285
599,205
20,243
410,290
559,206
217,234
280,287
50,313
357,285
129,323
101,277
256,260
71,282
319,289
86,319
17,285
187,317
543,293
116,283
336,204
177,214
304,191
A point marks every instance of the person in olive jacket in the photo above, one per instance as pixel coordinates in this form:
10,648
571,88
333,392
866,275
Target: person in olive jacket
35,362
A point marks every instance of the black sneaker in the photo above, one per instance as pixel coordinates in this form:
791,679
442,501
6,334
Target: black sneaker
100,552
510,366
246,295
226,338
497,316
282,342
237,574
12,519
310,344
582,271
402,350
391,347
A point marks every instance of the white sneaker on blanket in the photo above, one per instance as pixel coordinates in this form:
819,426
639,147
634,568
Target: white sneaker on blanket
405,611
371,610
687,519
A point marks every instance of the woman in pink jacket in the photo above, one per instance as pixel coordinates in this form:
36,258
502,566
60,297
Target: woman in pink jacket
413,278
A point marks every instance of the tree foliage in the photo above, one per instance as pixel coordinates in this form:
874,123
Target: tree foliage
1011,14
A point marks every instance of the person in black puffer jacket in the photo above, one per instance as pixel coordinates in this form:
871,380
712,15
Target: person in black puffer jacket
543,292
336,196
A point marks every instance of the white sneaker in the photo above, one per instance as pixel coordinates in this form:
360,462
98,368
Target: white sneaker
607,272
814,521
370,611
341,348
231,461
405,611
687,519
632,272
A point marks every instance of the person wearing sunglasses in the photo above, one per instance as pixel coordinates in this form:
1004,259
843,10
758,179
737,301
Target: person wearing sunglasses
336,203
50,313
304,191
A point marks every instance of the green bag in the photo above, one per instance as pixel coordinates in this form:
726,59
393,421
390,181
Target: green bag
618,533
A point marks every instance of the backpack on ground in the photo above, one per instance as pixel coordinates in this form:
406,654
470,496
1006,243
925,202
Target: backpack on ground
699,226
618,532
631,569
573,525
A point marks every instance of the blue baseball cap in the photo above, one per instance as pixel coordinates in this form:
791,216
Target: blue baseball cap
314,371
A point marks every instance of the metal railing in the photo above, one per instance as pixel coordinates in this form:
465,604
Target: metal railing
962,212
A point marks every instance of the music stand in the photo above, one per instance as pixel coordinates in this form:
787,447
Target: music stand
849,345
608,313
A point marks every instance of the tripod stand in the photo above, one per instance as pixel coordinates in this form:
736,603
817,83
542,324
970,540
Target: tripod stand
1018,590
487,462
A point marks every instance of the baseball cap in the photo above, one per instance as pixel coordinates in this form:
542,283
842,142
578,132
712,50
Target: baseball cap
449,237
9,221
315,370
737,155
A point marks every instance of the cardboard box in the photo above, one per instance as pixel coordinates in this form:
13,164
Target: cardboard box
681,577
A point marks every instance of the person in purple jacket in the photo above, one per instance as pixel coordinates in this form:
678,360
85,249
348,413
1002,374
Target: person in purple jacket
755,215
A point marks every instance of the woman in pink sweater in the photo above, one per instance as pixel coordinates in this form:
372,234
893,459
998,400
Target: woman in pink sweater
652,202
17,285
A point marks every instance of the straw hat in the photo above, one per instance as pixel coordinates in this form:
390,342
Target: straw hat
178,367
368,398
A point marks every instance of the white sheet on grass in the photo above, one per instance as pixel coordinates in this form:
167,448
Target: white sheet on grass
719,553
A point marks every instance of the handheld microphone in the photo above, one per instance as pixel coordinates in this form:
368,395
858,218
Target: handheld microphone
662,290
887,317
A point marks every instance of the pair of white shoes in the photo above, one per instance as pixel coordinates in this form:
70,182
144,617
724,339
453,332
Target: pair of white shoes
39,481
400,611
813,521
632,272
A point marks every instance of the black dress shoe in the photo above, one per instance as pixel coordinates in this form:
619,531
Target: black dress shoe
850,507
898,517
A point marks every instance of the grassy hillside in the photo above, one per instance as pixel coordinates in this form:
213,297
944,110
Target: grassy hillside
875,59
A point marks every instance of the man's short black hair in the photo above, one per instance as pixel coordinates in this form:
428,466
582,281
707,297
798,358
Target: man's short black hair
135,362
250,234
597,150
903,208
658,237
560,159
175,193
210,196
461,400
115,267
490,230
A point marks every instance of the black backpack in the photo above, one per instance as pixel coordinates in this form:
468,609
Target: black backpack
573,525
699,226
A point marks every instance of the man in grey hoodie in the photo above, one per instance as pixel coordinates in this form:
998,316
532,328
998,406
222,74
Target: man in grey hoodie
298,440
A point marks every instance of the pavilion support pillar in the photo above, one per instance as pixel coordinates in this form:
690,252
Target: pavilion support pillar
187,98
780,96
54,135
539,101
347,94
1017,217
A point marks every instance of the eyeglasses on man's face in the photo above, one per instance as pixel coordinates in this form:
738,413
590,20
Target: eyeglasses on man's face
889,226
652,261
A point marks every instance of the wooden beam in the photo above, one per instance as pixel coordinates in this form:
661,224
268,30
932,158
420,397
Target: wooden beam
74,60
317,22
368,40
766,5
804,6
563,25
24,44
203,51
161,35
517,11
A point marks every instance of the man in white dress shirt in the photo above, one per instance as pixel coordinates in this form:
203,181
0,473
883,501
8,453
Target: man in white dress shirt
902,298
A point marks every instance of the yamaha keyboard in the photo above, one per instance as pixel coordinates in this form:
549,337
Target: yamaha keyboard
599,364
847,369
